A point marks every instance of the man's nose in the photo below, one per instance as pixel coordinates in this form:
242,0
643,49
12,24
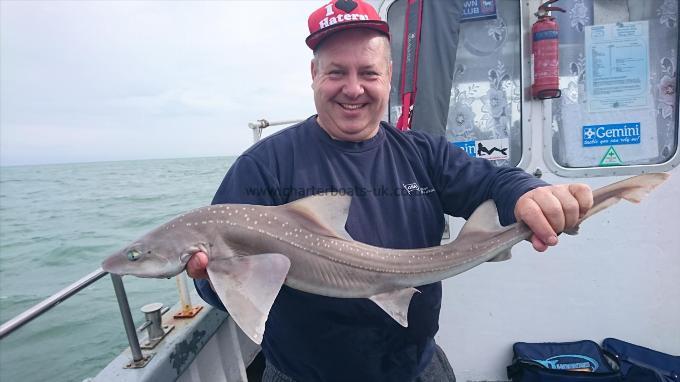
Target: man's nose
353,87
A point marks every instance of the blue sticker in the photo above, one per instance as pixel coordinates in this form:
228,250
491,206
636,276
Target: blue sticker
470,147
545,35
478,10
608,135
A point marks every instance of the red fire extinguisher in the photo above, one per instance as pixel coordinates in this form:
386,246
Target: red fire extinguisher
545,52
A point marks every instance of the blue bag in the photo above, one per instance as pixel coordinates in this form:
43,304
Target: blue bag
640,364
579,361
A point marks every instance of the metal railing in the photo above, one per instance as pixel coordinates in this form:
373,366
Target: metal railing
50,302
71,290
188,310
261,124
138,359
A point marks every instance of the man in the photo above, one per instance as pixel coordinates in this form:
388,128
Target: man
402,185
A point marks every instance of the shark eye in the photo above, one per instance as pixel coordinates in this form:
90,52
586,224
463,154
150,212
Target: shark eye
133,255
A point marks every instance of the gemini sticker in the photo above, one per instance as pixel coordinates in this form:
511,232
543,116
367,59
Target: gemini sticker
615,134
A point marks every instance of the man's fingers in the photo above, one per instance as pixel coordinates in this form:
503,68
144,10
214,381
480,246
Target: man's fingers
583,195
538,245
531,213
570,206
196,266
550,210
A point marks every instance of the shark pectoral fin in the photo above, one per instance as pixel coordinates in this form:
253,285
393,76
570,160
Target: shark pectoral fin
395,303
505,255
247,286
325,214
573,230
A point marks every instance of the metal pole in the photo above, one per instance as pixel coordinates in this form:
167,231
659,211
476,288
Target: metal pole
263,123
130,329
50,302
183,290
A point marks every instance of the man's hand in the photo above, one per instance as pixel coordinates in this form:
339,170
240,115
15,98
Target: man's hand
196,266
550,210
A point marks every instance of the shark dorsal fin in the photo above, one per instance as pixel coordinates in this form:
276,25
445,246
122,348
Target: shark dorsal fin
325,214
482,224
483,219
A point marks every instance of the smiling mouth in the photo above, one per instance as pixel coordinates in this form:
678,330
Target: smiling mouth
350,106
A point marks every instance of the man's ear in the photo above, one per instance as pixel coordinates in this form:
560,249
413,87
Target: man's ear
313,68
389,72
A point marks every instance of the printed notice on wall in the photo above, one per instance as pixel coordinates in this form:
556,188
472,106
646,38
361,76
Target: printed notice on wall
617,62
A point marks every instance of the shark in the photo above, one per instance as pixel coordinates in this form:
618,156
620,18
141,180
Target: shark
254,250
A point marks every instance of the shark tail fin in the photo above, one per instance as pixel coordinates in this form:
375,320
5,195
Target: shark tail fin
638,187
482,225
633,189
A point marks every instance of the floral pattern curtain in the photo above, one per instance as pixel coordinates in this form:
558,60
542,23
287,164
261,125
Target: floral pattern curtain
486,93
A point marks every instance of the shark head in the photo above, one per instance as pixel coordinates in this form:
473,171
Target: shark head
163,252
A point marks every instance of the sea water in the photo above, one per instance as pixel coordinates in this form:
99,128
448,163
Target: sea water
57,223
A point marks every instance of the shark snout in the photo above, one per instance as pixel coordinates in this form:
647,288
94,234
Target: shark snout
115,263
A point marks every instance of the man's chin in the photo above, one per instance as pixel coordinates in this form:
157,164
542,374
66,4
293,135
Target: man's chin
356,132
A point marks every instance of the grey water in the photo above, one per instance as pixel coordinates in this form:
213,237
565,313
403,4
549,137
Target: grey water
57,223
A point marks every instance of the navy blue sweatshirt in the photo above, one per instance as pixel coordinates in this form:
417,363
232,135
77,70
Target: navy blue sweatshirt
402,184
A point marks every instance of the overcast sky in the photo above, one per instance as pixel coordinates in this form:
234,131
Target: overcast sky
110,80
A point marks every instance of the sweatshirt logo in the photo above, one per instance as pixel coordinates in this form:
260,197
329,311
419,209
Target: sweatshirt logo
415,189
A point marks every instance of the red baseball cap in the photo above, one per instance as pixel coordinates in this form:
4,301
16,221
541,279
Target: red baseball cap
340,15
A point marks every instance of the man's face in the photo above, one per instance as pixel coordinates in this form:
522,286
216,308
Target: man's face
351,80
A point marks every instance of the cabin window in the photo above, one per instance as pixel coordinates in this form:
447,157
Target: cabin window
618,77
482,103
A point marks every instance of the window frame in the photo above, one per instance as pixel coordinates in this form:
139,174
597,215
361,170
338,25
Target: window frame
600,171
524,79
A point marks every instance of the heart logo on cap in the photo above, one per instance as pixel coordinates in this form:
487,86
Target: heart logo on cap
346,5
